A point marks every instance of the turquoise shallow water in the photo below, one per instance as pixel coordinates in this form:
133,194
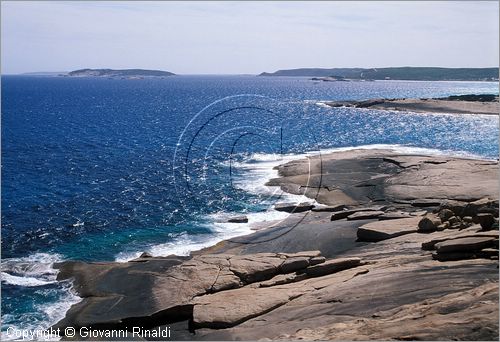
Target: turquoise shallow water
102,169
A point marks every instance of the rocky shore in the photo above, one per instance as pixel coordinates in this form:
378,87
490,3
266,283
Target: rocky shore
462,104
399,247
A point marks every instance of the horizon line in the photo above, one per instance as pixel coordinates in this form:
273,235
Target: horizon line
251,74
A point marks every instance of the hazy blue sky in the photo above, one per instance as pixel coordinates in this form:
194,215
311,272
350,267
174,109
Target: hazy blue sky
251,37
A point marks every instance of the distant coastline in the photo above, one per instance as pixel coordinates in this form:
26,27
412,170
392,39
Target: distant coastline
316,74
394,73
458,104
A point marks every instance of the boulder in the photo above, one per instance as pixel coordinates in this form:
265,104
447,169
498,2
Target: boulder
468,219
443,226
145,255
445,214
364,215
484,205
294,264
486,220
339,215
383,230
466,244
294,207
456,207
453,220
428,223
453,256
332,266
317,260
472,232
238,219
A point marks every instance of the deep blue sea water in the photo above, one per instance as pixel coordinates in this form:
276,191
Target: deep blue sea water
103,169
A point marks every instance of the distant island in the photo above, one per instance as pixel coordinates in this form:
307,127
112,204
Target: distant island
119,73
397,73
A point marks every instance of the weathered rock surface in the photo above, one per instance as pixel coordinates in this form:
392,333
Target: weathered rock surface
165,286
422,320
383,230
229,308
382,175
465,244
473,231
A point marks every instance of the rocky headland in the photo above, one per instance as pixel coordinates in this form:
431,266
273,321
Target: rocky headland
395,73
393,247
459,104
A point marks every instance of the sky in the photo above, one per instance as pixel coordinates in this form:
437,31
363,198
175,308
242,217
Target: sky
246,37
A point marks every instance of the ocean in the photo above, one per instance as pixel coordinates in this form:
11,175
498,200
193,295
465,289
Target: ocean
100,169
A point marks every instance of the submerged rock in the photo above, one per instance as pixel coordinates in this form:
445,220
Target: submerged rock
238,219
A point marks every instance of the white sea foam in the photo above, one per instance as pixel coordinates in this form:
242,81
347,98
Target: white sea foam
23,281
182,245
322,104
34,271
45,316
